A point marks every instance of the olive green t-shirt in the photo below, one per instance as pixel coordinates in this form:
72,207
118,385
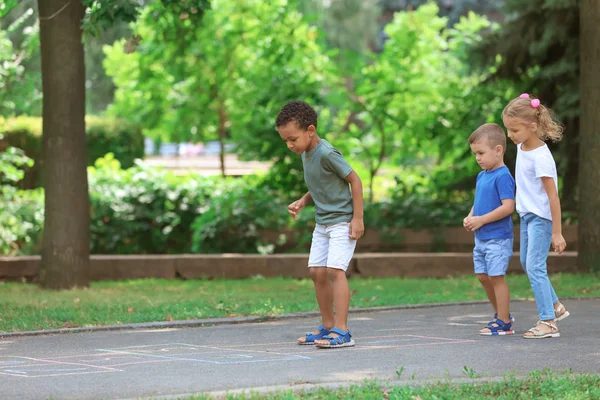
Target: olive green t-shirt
324,173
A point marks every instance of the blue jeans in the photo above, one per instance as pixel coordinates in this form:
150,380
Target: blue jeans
536,237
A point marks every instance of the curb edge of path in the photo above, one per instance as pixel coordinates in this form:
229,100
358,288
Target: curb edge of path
196,323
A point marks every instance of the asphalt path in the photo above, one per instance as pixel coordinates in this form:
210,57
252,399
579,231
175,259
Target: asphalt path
399,345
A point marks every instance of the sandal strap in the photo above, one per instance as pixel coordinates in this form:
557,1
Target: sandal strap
538,332
340,332
340,339
551,325
559,308
311,337
499,325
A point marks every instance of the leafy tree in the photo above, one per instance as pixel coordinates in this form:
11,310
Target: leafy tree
416,101
22,93
224,79
19,59
351,27
453,9
99,87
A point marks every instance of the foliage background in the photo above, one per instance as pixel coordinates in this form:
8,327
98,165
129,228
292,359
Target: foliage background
399,104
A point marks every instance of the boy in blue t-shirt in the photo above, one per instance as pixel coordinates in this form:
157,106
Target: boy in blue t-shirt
490,219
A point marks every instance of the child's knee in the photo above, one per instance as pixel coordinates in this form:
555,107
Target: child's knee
537,272
318,274
336,274
497,280
483,278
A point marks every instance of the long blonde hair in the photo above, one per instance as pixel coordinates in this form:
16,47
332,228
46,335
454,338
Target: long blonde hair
529,110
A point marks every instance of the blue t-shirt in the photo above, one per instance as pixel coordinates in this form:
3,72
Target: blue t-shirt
493,187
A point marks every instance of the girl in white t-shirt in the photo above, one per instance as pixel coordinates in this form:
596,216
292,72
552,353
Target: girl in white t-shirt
528,124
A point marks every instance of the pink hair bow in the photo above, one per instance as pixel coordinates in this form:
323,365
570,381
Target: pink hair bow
535,103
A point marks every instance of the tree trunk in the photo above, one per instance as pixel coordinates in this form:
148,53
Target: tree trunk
66,241
589,165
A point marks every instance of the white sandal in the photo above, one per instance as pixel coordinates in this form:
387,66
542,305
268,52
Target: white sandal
558,315
561,312
537,333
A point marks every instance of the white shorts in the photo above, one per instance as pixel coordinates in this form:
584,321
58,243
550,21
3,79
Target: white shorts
331,246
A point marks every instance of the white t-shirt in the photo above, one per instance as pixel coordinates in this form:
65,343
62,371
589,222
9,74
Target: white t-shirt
531,197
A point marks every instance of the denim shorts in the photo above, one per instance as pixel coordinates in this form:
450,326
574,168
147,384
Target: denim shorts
491,256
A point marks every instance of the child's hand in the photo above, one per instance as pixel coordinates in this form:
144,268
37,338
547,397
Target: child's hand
357,228
295,208
474,223
465,222
558,243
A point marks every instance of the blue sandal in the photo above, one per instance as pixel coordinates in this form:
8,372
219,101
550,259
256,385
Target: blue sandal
343,340
311,337
499,328
510,317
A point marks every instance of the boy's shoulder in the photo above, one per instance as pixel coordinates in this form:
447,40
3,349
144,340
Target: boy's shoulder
495,177
326,149
319,153
504,172
504,181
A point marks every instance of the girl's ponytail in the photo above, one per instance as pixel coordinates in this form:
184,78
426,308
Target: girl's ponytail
548,125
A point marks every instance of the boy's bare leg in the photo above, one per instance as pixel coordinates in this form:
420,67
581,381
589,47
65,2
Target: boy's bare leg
324,294
502,297
489,290
341,299
497,292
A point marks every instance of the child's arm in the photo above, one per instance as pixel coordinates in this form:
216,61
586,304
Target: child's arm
298,205
558,241
507,208
357,226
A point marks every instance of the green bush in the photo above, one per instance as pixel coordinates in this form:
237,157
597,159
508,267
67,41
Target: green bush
235,216
111,135
144,210
417,205
104,135
24,133
22,211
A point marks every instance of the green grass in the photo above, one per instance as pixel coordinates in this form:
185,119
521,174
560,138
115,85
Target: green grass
537,385
27,307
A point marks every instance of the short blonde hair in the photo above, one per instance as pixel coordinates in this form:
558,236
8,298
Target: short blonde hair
548,126
492,134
